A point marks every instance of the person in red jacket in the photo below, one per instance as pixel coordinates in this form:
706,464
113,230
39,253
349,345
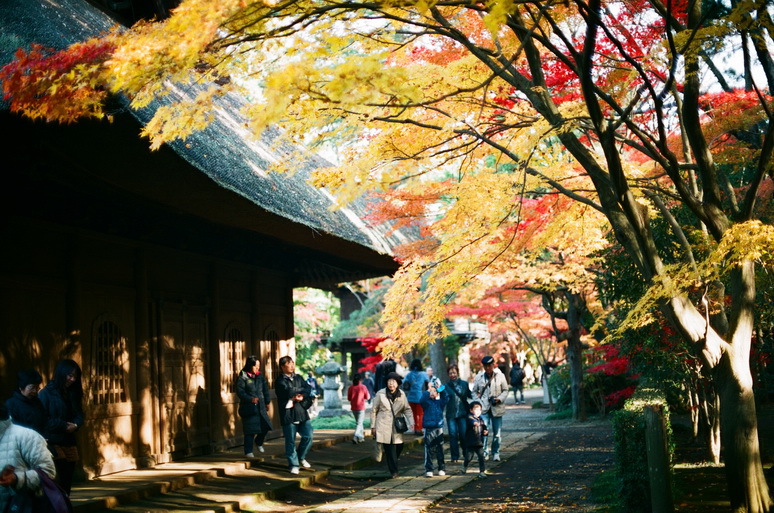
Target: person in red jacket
357,396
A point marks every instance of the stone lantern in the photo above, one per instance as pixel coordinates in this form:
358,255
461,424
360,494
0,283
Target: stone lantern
331,389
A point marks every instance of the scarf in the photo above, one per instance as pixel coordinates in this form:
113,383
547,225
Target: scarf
390,395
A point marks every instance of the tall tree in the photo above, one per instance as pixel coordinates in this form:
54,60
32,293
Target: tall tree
556,264
605,103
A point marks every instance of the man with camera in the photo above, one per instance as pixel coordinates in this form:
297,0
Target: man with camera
490,388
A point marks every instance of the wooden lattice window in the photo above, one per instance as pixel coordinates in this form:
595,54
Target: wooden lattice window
269,347
109,359
232,358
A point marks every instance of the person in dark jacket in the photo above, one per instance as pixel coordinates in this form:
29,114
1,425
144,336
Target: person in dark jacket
457,411
313,384
24,405
383,369
368,382
254,398
475,440
517,381
62,399
433,402
294,397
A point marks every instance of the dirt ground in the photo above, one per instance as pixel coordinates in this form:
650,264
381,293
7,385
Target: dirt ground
553,475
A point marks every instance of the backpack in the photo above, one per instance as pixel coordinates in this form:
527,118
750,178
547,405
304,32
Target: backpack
517,377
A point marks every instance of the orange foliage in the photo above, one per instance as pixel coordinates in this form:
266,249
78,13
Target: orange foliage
58,86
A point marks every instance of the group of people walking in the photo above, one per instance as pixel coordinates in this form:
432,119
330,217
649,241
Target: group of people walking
473,415
295,397
419,402
37,432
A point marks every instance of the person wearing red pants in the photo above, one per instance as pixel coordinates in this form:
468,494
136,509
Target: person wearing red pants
414,385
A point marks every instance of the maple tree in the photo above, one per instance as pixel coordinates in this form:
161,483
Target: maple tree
554,261
657,353
517,324
470,109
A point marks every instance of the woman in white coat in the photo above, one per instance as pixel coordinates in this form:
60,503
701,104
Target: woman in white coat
22,452
389,403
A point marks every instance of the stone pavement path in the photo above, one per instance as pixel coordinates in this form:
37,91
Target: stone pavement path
227,482
413,492
219,482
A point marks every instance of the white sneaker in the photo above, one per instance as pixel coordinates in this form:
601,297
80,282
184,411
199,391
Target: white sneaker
441,472
496,457
305,464
249,455
294,470
428,474
486,455
260,448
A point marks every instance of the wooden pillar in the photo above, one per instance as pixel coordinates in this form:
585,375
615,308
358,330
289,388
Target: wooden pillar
658,460
215,365
71,346
146,369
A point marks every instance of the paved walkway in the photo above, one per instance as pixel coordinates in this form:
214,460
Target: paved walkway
413,492
226,482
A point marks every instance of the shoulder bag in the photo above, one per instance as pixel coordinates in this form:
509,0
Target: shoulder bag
401,426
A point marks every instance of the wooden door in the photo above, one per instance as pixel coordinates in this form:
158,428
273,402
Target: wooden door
184,380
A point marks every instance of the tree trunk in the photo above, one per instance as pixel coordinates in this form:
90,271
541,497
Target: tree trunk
730,361
695,406
713,435
575,361
438,360
575,306
747,486
710,410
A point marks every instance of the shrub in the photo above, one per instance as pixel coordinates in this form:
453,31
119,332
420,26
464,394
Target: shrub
630,449
607,381
341,422
560,415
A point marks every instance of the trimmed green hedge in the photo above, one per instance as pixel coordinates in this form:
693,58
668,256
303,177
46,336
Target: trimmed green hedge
631,452
346,421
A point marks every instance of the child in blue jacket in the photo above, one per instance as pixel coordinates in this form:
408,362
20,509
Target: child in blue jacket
433,402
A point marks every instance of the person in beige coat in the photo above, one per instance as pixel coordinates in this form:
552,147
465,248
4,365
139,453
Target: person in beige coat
490,388
389,403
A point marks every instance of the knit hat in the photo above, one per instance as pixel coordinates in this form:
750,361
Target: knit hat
28,377
395,376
